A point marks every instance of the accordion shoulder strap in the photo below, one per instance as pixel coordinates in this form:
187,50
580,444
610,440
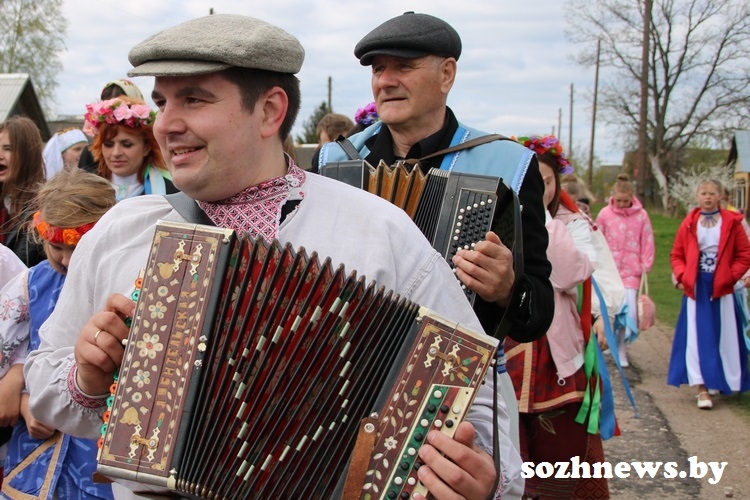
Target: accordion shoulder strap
465,145
353,154
188,208
348,148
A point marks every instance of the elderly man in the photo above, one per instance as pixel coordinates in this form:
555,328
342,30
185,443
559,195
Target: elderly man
227,99
414,63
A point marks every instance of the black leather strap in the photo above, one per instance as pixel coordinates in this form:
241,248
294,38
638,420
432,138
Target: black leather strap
353,154
348,148
188,208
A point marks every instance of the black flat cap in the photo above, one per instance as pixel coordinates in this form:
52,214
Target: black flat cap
410,36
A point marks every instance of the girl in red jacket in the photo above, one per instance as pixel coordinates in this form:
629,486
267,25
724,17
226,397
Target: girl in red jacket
711,253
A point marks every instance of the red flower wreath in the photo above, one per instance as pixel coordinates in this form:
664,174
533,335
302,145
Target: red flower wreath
62,236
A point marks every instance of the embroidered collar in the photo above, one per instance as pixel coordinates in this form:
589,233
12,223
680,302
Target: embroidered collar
257,209
709,219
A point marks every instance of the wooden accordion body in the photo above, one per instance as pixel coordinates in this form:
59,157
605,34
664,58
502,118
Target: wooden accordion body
454,210
250,368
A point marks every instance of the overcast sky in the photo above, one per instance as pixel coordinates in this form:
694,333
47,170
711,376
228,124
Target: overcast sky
514,75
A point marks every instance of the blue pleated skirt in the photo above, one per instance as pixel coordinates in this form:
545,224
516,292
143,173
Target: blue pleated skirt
708,346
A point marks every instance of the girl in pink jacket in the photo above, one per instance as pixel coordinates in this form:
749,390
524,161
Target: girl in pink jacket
627,229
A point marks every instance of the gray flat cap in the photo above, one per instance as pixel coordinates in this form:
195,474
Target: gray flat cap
409,36
214,43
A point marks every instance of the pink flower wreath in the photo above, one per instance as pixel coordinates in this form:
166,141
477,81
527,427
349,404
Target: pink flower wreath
114,111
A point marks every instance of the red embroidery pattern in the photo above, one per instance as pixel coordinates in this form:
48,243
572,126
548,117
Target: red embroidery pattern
81,398
257,209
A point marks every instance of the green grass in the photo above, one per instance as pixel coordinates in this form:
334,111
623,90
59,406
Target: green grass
661,290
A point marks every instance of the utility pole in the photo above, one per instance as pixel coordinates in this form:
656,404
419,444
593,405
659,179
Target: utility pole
570,139
330,85
559,124
593,117
642,125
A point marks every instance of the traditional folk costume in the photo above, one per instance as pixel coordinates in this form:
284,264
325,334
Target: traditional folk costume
296,209
558,413
61,466
708,259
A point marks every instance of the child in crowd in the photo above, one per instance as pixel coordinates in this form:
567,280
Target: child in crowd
333,125
63,150
711,253
10,266
626,226
41,462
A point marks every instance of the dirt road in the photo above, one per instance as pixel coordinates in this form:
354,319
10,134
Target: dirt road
672,429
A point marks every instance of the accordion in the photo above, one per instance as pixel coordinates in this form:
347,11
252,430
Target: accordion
453,210
253,370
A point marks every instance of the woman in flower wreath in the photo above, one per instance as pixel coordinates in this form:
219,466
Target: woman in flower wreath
711,253
363,118
125,147
41,462
548,374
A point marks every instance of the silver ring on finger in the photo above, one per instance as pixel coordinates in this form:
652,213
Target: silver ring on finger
96,335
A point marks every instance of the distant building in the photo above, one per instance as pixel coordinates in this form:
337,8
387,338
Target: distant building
64,122
17,97
739,159
305,153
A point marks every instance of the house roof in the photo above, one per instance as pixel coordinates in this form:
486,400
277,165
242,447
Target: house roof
17,97
739,155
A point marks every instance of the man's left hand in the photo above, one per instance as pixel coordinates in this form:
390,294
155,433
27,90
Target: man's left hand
456,468
487,269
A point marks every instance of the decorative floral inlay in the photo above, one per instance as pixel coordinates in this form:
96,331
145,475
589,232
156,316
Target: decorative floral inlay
157,310
149,345
142,377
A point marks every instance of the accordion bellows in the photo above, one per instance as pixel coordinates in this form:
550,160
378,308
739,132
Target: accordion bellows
250,367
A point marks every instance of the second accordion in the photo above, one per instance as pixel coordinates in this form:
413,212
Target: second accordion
454,210
254,370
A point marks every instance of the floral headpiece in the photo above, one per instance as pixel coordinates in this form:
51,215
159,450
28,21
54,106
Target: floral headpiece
114,111
52,234
548,144
367,115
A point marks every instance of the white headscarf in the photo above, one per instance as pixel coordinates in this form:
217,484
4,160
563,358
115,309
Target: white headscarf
55,147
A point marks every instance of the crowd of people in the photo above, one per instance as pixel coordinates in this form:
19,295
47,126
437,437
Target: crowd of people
77,223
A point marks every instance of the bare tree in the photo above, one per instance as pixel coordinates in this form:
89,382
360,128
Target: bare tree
698,85
32,34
